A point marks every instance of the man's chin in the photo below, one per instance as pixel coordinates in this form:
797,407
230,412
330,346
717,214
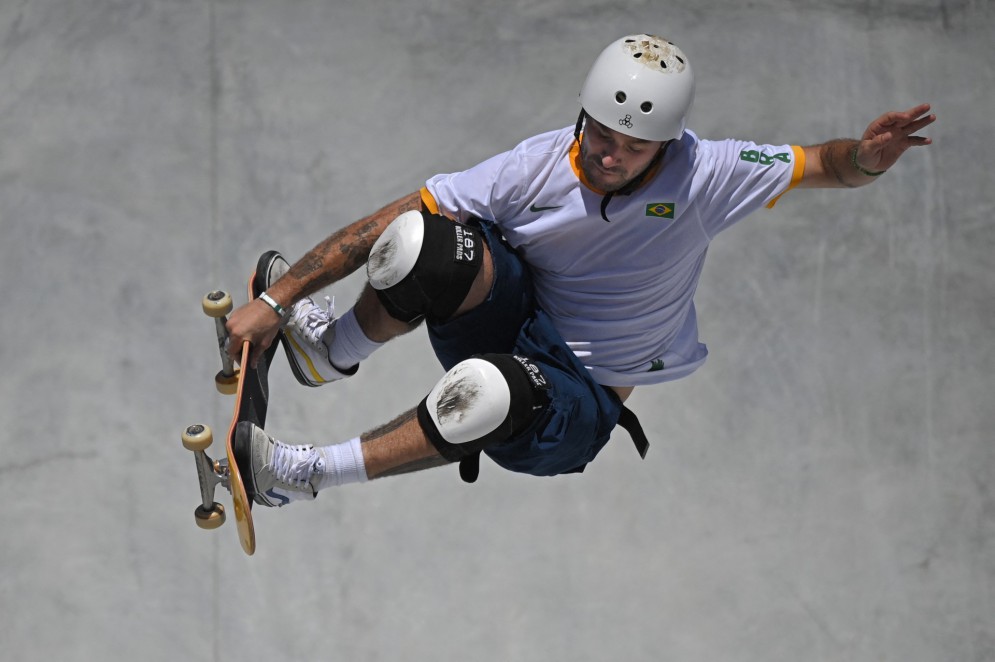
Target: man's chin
603,182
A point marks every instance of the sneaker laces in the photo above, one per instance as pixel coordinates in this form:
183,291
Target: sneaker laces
294,465
311,321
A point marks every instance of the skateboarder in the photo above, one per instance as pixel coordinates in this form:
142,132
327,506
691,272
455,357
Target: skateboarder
553,279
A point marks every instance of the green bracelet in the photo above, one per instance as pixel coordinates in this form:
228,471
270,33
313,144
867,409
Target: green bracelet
859,168
280,310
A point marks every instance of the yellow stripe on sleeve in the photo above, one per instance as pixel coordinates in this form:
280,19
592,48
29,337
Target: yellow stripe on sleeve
429,201
796,174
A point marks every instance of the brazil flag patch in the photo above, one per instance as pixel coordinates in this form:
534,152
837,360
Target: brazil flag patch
660,209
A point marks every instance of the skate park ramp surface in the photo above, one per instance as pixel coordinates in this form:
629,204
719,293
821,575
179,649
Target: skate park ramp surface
822,489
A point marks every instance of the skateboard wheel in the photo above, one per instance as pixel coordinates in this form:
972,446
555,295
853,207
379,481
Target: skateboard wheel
227,384
217,304
197,438
210,519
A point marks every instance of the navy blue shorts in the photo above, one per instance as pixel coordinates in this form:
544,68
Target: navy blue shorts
582,413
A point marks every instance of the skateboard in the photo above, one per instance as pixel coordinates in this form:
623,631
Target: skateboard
250,386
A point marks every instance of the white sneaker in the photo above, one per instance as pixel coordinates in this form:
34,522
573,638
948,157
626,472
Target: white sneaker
307,352
304,329
275,473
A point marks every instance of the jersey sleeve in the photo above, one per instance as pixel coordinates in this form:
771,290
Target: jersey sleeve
487,190
740,177
500,188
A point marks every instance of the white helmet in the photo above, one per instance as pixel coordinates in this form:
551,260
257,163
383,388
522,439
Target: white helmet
641,86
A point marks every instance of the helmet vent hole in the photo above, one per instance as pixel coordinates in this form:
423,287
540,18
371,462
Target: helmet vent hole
620,97
679,59
646,106
663,64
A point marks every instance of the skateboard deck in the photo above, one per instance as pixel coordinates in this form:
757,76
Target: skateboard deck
241,503
250,385
252,400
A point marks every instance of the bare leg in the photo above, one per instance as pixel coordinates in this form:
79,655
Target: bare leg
374,320
399,447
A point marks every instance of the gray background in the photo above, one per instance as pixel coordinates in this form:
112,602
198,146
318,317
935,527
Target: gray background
824,489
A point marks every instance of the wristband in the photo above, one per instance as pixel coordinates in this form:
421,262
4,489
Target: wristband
280,310
859,168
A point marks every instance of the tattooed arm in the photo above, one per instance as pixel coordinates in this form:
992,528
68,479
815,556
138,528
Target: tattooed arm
331,260
340,254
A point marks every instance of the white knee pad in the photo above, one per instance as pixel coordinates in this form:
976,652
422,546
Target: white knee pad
395,252
423,265
485,400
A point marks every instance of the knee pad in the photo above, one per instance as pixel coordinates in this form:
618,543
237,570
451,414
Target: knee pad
423,266
485,400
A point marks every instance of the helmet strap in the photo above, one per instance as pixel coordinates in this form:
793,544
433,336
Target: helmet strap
580,124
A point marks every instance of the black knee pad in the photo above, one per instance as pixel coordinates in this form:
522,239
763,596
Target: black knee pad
423,265
483,401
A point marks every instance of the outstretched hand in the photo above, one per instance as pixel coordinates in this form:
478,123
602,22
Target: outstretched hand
889,136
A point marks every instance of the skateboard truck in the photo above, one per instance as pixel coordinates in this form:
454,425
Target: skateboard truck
218,304
210,514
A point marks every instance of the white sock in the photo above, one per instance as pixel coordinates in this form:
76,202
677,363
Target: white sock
348,345
343,464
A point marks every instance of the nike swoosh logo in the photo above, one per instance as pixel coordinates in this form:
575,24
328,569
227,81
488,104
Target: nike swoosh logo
536,209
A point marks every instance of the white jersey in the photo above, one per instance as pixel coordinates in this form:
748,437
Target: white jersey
621,292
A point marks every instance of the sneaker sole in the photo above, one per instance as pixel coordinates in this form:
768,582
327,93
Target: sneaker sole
311,377
270,268
241,448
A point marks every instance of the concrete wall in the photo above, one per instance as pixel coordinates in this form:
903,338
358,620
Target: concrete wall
824,489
